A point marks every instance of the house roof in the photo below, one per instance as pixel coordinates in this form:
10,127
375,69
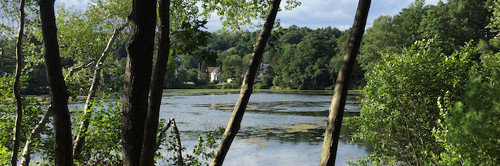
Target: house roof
212,69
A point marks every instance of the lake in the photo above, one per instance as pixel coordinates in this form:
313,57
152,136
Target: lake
277,129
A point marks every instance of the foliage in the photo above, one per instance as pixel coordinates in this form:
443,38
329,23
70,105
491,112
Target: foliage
31,109
102,140
233,14
4,155
400,110
232,67
494,7
202,153
468,129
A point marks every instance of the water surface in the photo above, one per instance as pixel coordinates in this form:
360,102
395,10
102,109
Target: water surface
277,128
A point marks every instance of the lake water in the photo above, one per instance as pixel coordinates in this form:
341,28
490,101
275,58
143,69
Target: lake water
277,129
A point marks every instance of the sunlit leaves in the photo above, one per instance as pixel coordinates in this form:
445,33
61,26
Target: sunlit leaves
400,109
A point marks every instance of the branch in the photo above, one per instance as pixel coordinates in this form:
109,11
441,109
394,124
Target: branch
80,138
162,134
179,146
78,68
25,157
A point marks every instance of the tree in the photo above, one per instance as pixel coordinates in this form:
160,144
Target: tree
247,87
467,129
332,132
137,78
19,104
377,40
400,111
57,86
231,67
80,137
149,146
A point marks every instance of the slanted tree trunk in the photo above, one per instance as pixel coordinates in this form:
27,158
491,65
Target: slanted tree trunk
137,78
57,86
84,125
25,156
329,151
19,64
151,124
247,87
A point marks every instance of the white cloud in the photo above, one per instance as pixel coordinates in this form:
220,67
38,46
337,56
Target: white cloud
311,13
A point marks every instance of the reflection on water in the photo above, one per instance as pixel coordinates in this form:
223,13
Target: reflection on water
277,129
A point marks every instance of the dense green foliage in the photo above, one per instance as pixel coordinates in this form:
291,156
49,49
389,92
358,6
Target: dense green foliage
456,22
468,129
400,110
436,101
32,109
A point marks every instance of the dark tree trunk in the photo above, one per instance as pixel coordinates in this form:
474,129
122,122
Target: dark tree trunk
57,86
247,87
151,124
137,78
19,64
80,138
329,151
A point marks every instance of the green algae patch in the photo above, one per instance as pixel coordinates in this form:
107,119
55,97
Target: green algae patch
260,143
300,128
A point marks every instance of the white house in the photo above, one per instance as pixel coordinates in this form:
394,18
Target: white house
214,73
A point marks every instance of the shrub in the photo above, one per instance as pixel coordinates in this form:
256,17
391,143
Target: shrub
400,109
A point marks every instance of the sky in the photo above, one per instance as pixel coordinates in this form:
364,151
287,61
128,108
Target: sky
312,13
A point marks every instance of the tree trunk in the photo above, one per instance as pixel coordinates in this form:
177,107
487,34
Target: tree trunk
137,78
57,86
25,156
80,138
329,151
19,64
151,124
247,87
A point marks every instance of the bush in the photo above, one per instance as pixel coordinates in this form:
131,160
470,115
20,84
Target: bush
400,109
260,85
469,129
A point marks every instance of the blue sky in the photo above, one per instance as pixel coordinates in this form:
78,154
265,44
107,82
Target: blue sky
313,13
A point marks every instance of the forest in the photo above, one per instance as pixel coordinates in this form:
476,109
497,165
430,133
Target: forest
429,78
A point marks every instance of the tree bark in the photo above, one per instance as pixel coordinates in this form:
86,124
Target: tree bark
57,86
329,150
151,124
247,87
80,138
19,64
25,156
137,78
